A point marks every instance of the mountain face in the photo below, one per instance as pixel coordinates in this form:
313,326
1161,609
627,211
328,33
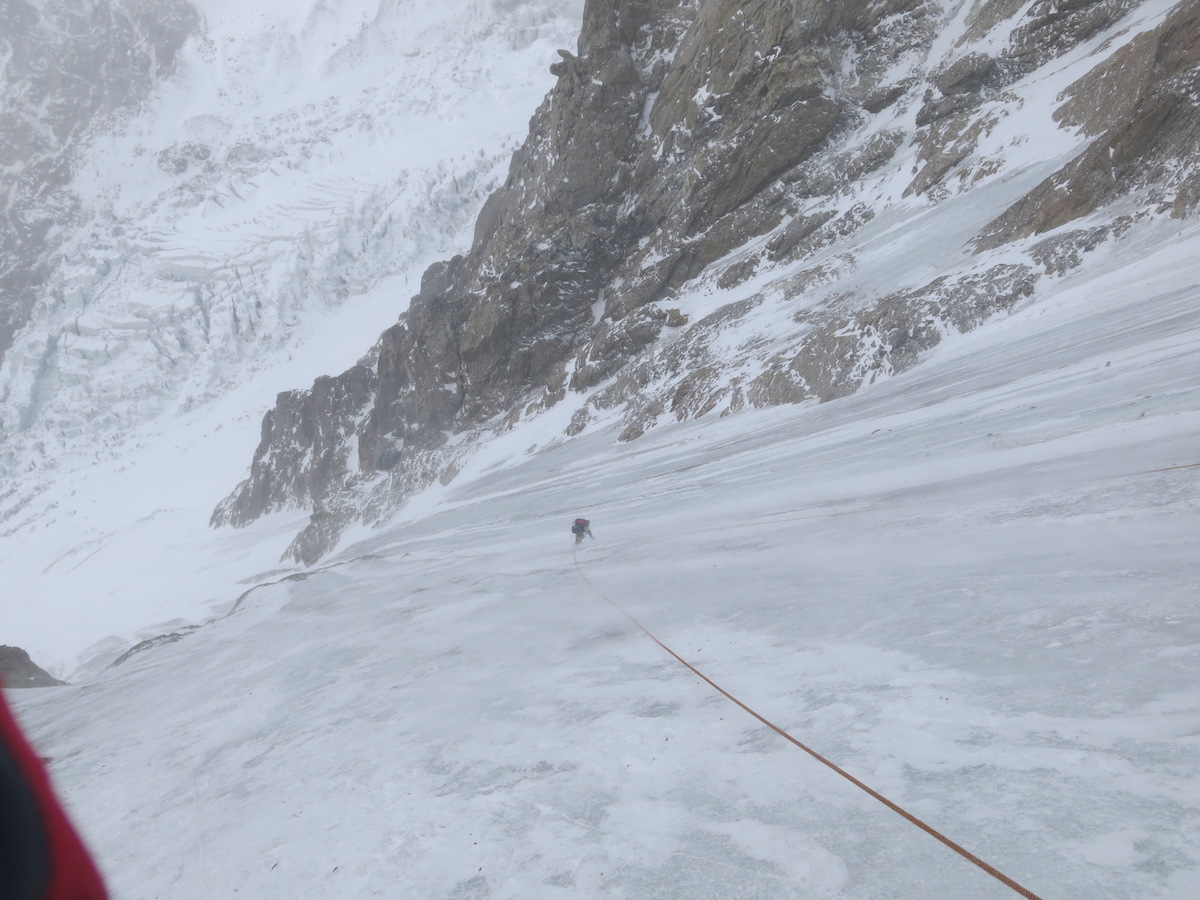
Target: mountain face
723,205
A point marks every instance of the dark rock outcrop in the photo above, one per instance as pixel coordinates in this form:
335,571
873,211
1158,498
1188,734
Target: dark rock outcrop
486,327
17,670
1144,106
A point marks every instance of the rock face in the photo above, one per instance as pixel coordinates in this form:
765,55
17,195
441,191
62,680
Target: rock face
17,670
694,224
1142,105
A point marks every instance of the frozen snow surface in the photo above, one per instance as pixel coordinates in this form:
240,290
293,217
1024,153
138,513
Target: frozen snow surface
972,586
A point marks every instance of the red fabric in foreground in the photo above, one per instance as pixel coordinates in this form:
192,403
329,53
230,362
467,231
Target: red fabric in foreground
73,875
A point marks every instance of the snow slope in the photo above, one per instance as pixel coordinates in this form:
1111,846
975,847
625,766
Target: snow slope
973,586
258,223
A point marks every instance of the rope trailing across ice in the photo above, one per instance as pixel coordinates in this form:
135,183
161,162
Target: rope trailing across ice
928,829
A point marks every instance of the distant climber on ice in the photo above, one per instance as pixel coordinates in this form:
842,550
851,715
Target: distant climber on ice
580,528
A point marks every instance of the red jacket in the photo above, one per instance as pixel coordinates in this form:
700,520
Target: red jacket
41,856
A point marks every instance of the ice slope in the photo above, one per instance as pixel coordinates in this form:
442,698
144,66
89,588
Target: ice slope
973,586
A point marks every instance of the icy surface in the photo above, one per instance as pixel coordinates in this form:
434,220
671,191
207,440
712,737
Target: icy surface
973,586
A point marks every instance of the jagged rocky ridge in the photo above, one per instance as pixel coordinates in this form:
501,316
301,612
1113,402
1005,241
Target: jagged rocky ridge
696,223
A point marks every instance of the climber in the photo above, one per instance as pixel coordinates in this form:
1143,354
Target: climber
41,856
580,528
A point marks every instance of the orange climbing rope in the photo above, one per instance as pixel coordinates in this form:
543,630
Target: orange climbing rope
928,829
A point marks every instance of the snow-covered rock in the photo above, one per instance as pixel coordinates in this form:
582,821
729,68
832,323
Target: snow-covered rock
821,193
